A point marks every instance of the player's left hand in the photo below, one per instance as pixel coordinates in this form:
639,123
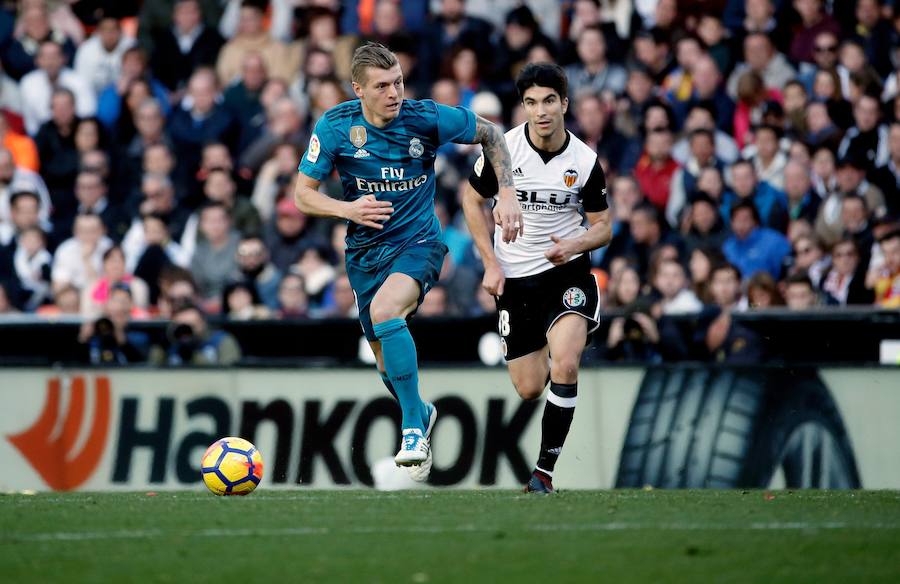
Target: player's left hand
508,215
562,250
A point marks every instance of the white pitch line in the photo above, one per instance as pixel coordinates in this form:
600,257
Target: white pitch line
141,534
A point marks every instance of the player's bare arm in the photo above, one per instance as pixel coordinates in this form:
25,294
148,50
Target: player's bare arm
480,231
366,210
507,211
598,235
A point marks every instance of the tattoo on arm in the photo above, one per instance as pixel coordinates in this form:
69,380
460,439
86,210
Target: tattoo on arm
493,143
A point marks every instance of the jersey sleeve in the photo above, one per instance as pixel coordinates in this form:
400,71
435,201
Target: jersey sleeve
455,124
483,178
318,160
593,193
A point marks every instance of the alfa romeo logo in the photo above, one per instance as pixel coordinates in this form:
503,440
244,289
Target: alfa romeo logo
574,297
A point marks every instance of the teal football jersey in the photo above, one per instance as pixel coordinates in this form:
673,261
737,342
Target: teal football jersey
394,163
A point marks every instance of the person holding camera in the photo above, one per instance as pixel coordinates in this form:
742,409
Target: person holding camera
191,342
107,340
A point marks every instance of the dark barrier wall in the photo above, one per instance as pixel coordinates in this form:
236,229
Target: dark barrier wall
846,336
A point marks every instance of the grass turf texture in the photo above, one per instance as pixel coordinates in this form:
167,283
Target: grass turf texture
452,536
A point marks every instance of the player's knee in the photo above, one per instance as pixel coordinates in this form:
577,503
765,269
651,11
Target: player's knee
382,312
565,368
529,390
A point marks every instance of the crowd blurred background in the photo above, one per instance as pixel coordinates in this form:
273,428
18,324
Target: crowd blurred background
149,149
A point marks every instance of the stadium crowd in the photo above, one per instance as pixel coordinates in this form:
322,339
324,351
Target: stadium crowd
149,151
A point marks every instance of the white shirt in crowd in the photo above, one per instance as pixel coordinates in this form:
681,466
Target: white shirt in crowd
97,65
69,266
37,91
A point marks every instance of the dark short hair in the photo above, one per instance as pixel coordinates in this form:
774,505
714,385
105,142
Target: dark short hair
542,75
800,277
746,205
725,266
702,132
22,194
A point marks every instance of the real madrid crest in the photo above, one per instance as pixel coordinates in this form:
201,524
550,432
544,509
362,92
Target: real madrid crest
570,176
416,149
358,136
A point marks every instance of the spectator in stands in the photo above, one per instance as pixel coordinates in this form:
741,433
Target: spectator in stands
701,116
257,271
655,168
158,199
32,263
813,22
762,57
855,219
887,176
21,55
868,139
342,302
684,181
242,98
240,301
59,156
274,181
809,258
799,292
113,272
317,271
824,178
45,82
631,106
21,147
65,304
436,302
15,180
705,227
802,200
844,282
79,259
596,130
150,132
725,340
671,283
652,49
593,72
281,60
293,303
452,26
288,236
99,58
186,45
771,204
199,120
887,279
284,125
647,235
751,247
111,98
213,262
875,34
769,159
90,190
107,339
192,342
762,291
220,188
850,182
25,209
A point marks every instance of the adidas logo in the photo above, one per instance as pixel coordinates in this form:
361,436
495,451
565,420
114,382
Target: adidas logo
361,153
518,172
555,451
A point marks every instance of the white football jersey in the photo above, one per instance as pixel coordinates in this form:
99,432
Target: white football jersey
553,188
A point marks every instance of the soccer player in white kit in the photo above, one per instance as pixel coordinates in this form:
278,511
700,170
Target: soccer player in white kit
547,298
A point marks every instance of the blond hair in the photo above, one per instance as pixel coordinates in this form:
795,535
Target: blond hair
370,55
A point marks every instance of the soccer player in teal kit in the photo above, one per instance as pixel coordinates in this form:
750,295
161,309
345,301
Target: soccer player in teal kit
384,148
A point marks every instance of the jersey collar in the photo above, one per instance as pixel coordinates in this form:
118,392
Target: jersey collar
544,154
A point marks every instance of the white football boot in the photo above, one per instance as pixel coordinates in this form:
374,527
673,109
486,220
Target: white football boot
420,472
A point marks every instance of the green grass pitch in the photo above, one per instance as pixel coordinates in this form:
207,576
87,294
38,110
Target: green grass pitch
452,536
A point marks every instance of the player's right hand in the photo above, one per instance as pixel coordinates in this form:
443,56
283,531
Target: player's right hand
369,211
508,215
493,280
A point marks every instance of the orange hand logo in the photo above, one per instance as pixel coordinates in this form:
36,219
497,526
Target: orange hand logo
53,457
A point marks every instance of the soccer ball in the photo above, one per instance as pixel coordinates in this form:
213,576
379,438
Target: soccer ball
231,466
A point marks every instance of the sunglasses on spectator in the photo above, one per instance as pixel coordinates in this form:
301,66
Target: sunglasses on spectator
826,49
